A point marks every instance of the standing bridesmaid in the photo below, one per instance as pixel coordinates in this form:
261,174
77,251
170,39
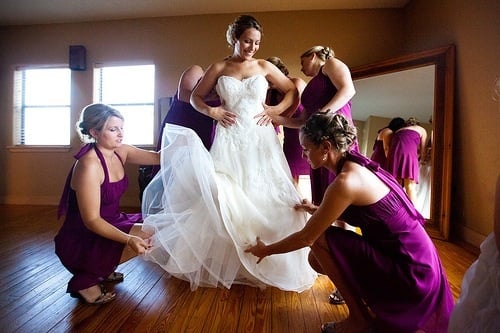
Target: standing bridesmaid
182,112
331,88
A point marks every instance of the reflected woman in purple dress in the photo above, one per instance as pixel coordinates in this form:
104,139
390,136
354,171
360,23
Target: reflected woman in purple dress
383,141
390,275
407,148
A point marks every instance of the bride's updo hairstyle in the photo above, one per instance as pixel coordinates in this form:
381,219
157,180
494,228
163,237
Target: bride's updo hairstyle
94,116
322,52
238,27
330,126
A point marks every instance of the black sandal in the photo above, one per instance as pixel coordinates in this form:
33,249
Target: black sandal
104,298
328,327
114,277
336,298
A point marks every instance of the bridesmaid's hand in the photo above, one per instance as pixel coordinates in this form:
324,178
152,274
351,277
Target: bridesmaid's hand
306,206
266,117
258,250
139,245
263,119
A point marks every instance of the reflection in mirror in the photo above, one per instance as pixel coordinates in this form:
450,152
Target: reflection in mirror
394,87
405,94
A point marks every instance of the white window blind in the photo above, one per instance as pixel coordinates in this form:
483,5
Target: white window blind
129,89
42,106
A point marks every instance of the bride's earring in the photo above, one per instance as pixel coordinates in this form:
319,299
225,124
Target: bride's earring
324,157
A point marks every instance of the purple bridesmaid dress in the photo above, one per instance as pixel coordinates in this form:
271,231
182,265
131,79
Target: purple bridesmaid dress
402,160
393,266
183,114
293,149
317,93
88,256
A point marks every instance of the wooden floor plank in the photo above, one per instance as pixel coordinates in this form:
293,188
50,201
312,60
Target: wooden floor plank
308,309
327,312
169,293
146,311
225,311
279,312
33,297
251,317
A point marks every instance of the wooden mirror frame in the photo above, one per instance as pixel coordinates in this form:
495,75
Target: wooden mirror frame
438,225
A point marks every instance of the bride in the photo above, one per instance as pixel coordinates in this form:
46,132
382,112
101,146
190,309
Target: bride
205,208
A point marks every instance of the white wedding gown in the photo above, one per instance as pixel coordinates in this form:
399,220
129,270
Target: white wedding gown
205,208
478,308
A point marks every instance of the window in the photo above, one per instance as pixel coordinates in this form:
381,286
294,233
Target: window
42,106
129,89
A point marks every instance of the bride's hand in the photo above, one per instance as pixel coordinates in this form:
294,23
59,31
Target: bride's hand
258,250
224,117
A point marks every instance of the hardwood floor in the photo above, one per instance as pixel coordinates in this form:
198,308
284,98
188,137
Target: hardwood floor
33,285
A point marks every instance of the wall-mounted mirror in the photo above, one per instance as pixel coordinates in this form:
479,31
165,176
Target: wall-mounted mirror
419,85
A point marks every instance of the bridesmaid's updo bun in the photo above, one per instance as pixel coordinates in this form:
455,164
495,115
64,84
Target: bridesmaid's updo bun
330,126
238,27
323,52
94,116
412,121
279,63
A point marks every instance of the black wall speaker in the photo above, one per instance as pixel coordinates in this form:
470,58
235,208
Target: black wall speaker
77,57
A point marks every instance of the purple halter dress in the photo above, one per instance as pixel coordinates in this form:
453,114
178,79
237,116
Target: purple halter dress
293,149
317,93
183,114
402,161
393,265
88,256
